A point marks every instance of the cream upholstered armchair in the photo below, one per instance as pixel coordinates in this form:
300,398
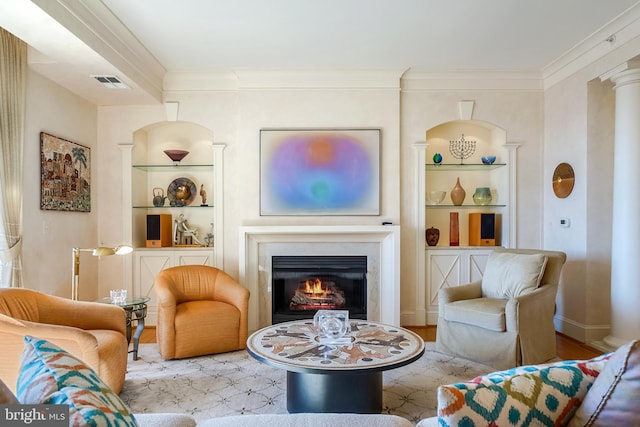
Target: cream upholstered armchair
506,319
93,332
201,310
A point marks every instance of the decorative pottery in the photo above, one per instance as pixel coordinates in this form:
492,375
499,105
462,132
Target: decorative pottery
488,160
158,197
437,158
457,193
176,155
436,197
482,196
181,192
432,235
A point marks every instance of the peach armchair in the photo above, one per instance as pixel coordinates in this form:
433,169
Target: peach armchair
201,310
506,319
94,332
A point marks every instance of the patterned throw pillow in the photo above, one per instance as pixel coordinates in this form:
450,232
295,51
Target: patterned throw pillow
50,375
613,399
528,395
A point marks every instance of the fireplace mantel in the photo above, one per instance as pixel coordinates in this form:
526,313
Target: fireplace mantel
387,237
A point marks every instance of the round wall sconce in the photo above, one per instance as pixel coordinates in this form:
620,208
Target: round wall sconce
563,180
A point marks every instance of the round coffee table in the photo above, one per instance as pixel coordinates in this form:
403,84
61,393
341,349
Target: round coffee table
330,377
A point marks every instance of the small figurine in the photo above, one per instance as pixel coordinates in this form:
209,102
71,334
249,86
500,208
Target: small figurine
183,234
203,194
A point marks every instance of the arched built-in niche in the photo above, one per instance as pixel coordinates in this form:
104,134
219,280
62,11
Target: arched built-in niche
148,172
447,263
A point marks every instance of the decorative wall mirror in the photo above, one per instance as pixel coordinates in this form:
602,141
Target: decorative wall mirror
563,179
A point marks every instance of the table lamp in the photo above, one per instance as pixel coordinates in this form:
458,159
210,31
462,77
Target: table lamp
99,251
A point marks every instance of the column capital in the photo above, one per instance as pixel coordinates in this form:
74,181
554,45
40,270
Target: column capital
625,73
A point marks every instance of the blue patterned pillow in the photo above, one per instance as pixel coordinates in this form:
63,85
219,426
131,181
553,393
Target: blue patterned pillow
50,375
528,395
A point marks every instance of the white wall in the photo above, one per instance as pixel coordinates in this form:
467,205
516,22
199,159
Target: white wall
49,236
579,114
236,117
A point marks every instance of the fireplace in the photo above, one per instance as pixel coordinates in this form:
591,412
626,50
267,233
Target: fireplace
302,285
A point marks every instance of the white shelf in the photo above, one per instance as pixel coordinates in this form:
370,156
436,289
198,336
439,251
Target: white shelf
464,167
173,168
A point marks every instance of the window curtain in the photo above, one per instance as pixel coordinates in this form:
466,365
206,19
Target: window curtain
13,66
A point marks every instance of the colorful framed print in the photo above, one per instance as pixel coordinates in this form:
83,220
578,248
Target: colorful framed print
319,172
65,175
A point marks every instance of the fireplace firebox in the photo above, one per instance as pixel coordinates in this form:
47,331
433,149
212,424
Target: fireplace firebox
302,285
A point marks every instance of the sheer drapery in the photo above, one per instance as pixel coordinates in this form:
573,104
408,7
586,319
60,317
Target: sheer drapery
13,65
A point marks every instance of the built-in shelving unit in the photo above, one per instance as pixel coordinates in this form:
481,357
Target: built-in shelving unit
148,171
445,265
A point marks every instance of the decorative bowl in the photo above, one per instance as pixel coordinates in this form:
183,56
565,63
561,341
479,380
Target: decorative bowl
488,160
436,197
176,155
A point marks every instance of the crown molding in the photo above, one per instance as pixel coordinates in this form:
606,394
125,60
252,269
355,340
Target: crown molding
284,79
320,79
608,38
198,82
94,24
416,80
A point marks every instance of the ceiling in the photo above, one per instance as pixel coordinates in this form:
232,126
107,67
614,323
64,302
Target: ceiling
141,41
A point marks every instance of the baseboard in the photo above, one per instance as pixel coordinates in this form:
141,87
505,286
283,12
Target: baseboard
580,331
419,319
148,335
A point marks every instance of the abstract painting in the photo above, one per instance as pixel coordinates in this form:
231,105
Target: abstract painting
320,172
65,175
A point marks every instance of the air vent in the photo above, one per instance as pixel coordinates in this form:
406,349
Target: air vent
111,82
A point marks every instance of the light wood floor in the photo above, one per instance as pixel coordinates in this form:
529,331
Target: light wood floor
567,348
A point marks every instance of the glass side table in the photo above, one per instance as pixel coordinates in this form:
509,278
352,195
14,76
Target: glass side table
136,310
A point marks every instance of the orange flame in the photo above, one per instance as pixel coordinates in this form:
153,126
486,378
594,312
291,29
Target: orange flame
314,288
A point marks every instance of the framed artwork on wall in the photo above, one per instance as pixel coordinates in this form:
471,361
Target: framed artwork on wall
319,172
65,175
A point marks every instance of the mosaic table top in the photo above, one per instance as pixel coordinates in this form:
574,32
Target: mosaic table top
374,347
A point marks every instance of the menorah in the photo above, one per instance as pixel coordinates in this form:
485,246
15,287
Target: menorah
462,149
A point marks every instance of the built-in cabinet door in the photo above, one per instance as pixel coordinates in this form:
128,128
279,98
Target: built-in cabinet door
451,267
186,257
148,263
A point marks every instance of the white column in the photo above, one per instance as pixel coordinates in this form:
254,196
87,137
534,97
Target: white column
420,317
625,234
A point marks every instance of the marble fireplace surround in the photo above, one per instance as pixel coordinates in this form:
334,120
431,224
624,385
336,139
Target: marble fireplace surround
381,244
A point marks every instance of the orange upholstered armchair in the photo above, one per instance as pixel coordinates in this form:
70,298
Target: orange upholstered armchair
201,310
93,332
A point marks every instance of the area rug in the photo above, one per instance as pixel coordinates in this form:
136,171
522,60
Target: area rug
235,383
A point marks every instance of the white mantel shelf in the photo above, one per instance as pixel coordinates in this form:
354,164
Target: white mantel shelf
386,236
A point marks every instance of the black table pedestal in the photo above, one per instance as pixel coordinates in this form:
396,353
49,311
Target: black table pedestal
351,392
